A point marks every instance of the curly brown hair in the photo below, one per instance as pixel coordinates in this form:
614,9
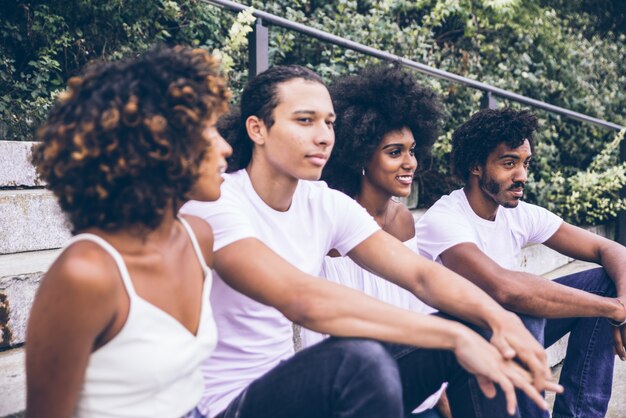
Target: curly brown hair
124,143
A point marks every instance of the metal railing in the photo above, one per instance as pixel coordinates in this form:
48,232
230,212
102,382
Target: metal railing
259,61
258,53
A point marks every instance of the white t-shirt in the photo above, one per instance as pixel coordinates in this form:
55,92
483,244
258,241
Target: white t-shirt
451,221
344,271
254,338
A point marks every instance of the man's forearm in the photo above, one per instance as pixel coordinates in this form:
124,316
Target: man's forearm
534,295
457,296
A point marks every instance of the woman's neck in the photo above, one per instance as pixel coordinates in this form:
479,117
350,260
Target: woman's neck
377,204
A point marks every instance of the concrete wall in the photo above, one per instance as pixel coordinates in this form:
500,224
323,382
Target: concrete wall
32,229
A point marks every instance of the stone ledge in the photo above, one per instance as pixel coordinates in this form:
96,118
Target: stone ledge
16,298
12,382
15,167
19,279
26,263
31,221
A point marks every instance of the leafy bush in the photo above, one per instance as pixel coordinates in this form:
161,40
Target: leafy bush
46,42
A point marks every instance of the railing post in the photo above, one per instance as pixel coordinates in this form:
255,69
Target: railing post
621,216
488,101
258,48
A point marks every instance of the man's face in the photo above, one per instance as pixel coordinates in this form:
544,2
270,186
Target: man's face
301,139
503,177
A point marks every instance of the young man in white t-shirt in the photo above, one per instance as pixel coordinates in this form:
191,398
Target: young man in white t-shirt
272,217
479,231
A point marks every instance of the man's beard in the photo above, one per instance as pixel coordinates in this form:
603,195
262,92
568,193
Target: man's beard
493,189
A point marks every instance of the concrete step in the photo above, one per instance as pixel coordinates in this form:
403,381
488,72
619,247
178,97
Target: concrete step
31,221
15,167
19,279
12,382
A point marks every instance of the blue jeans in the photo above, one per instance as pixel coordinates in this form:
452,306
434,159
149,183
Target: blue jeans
344,377
339,377
422,371
587,373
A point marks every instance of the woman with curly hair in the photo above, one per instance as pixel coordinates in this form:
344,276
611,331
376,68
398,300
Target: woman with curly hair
121,321
385,119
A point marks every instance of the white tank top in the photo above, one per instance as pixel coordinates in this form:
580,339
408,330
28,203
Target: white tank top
151,368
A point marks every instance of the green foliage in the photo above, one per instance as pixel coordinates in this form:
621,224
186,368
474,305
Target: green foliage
568,53
588,196
43,43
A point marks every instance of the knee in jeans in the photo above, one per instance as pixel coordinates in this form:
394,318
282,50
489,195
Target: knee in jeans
607,286
371,358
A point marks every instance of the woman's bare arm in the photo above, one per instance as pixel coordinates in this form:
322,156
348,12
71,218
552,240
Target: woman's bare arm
75,303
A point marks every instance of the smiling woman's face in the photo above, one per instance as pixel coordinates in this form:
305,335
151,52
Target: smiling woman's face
393,163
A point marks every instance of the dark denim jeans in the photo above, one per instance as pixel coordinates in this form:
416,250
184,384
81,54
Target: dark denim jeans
339,377
587,373
358,378
423,370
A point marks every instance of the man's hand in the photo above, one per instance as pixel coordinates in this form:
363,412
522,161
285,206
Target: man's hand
513,340
490,367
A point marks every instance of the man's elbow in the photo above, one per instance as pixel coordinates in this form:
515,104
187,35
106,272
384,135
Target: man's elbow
303,306
509,296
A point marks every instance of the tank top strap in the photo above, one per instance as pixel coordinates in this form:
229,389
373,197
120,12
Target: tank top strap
117,257
196,245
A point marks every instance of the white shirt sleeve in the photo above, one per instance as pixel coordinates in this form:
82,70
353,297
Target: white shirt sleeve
226,217
440,229
352,223
538,223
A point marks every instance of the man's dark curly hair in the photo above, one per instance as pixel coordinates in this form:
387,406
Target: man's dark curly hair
473,141
369,105
259,98
126,139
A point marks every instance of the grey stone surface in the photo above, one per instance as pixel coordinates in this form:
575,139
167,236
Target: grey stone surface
17,294
15,167
539,259
12,382
31,220
26,263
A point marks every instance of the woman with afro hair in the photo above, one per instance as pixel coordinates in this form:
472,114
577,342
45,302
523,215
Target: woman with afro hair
385,121
121,321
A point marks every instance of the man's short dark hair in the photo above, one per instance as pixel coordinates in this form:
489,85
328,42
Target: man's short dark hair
259,98
379,100
473,141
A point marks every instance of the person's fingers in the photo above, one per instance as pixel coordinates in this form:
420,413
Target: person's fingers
508,388
486,386
503,346
553,387
522,380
